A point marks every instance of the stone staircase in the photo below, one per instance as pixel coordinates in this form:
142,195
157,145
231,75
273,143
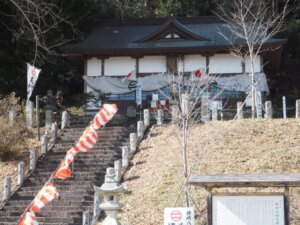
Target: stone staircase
76,193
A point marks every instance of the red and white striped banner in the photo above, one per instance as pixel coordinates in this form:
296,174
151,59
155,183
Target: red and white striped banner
104,115
28,219
46,195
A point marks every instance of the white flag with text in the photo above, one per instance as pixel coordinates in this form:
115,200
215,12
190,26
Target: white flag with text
32,76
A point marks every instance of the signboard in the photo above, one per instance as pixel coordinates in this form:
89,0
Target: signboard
179,216
139,96
258,105
248,210
154,97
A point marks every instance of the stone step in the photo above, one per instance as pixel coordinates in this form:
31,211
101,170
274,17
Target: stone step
48,208
26,202
42,213
70,188
57,220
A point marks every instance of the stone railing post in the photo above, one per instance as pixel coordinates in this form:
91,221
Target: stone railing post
32,162
86,220
140,129
174,114
240,113
21,173
53,132
160,115
29,114
6,188
146,118
132,143
118,170
44,143
125,158
269,110
11,118
64,120
97,201
298,109
214,111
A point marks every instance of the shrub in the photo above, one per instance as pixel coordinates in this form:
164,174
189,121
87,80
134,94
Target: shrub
8,103
13,139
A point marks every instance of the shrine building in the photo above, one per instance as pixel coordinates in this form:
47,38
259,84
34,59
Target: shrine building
151,48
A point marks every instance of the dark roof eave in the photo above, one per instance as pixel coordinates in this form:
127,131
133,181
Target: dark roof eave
139,51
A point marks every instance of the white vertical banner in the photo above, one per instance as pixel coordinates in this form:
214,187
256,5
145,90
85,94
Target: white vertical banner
32,76
139,94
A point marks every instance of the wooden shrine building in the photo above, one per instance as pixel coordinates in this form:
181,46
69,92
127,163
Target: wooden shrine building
154,47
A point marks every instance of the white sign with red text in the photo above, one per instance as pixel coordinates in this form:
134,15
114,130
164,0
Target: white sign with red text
179,216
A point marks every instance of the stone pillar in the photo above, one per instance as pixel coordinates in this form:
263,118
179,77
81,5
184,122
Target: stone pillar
269,110
86,220
21,173
49,118
11,118
53,132
240,113
118,170
32,159
146,118
64,120
284,107
174,114
160,115
44,143
6,188
140,129
29,114
185,101
125,157
133,143
97,201
298,109
214,111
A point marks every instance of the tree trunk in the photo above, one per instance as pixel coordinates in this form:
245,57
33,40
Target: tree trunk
253,87
185,163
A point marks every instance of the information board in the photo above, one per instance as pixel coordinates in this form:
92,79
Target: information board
248,210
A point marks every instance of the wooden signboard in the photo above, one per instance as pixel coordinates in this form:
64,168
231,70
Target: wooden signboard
248,209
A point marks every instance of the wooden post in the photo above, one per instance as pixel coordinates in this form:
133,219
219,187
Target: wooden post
160,114
240,113
146,118
64,120
132,141
185,100
298,109
21,173
86,218
140,129
284,107
29,114
118,170
269,110
11,118
54,132
44,144
125,157
32,160
6,188
97,201
37,107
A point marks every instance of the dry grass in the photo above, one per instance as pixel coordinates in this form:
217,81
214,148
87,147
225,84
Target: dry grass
244,146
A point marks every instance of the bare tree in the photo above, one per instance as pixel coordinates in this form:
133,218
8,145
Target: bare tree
186,96
252,23
39,18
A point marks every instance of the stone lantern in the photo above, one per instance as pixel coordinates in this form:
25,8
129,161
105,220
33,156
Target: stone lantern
110,191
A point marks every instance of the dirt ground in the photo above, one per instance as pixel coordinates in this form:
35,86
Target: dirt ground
223,147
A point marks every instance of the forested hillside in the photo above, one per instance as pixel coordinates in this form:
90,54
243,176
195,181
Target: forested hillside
61,22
